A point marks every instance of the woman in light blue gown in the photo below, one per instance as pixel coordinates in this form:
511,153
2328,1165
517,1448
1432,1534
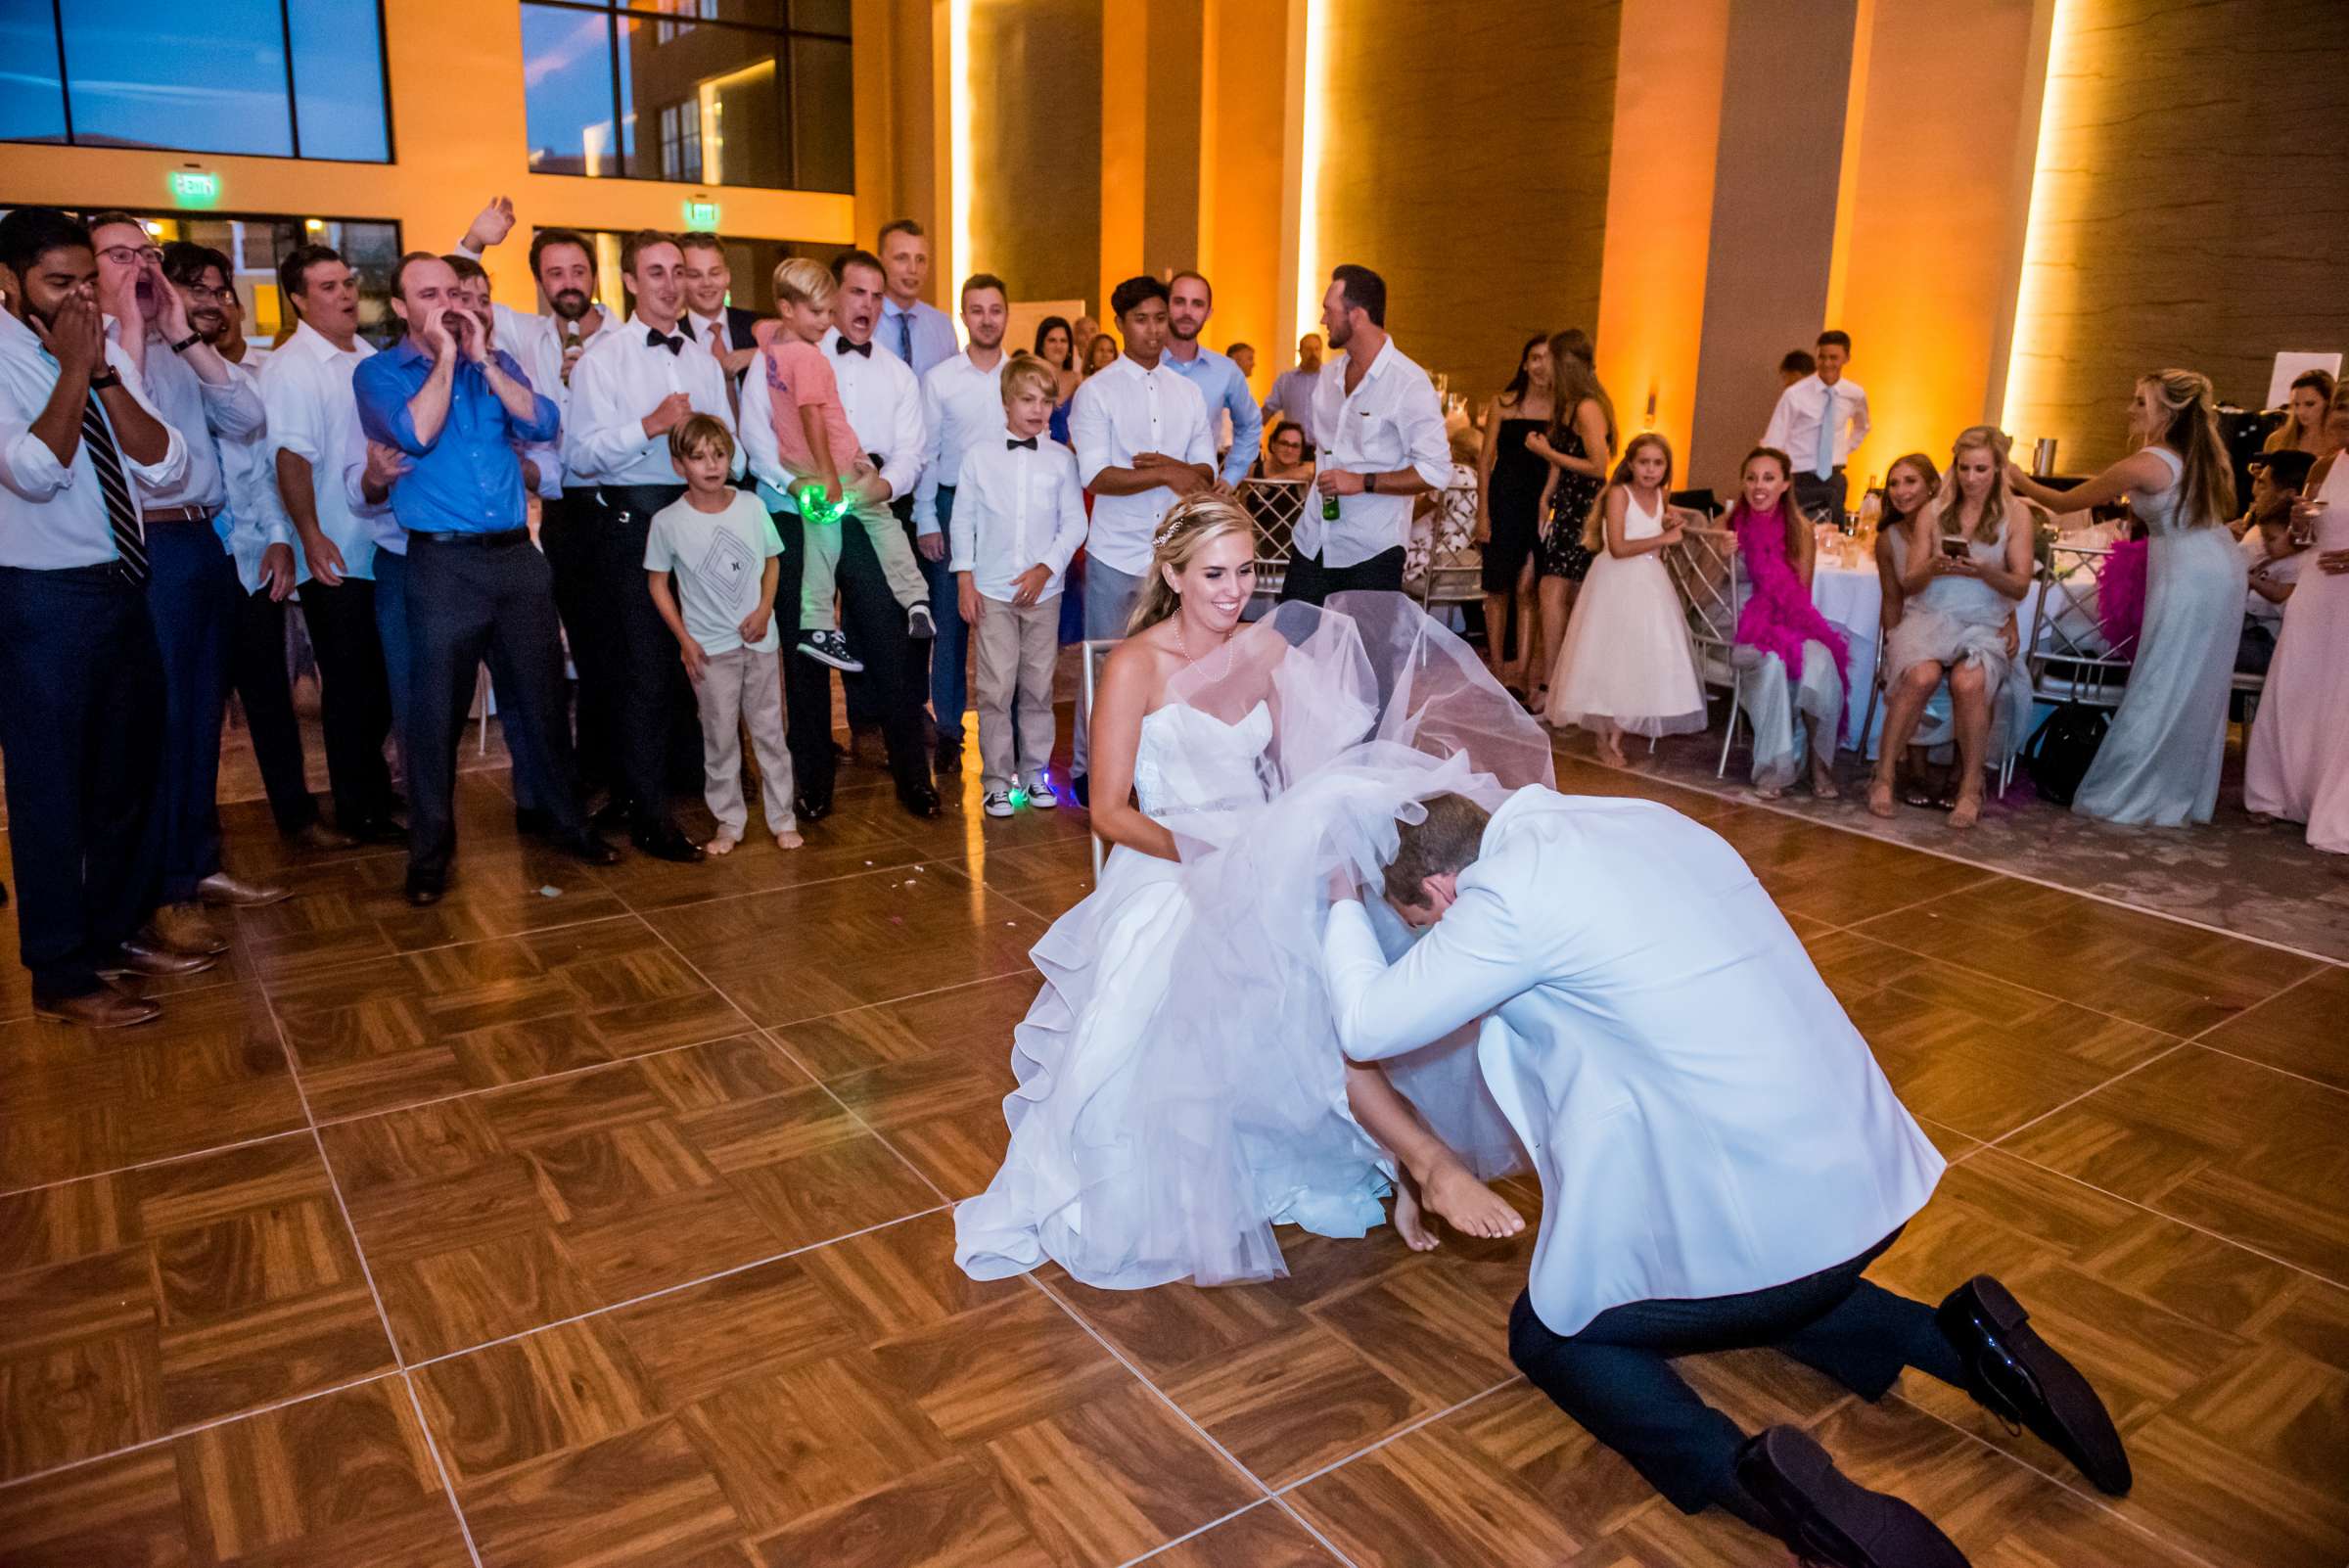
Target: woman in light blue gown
2159,763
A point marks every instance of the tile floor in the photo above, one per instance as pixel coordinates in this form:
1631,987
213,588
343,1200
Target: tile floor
601,1217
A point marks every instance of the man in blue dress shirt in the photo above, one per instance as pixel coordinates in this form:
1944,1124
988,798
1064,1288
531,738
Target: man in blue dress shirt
457,408
1189,303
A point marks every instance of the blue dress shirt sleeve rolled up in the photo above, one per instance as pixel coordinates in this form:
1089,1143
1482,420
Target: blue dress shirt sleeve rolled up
468,479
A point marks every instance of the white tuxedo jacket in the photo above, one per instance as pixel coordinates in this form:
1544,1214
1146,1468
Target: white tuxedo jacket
1704,1117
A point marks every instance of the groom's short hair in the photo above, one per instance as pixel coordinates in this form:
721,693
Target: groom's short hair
1447,840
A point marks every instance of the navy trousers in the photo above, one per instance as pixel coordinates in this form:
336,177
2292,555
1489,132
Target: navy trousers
1616,1376
192,592
529,775
466,602
81,738
949,656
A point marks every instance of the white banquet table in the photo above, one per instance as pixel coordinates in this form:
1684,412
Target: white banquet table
1853,600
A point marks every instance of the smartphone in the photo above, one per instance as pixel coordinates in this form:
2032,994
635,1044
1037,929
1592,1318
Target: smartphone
1955,549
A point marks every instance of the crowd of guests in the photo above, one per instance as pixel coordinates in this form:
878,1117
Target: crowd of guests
730,511
1573,523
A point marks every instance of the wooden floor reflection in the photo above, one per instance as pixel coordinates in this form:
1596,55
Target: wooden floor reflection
601,1217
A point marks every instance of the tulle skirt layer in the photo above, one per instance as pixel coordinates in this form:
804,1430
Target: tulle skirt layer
1625,660
1792,720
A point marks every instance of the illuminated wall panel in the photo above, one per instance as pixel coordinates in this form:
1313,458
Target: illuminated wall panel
1036,145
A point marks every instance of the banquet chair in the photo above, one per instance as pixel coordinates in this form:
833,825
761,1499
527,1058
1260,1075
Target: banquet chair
1088,673
1708,577
1453,567
2070,661
1274,505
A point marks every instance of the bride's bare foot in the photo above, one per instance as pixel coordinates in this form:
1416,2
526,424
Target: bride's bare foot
1879,796
1410,1221
1968,809
1467,1205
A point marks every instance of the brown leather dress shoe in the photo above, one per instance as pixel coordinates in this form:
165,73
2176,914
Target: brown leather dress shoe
138,957
103,1009
182,928
318,836
221,888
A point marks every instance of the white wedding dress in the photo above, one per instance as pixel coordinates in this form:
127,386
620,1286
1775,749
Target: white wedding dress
1181,1086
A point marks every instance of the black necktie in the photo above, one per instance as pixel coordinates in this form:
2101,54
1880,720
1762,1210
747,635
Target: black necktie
842,345
653,337
121,515
1027,442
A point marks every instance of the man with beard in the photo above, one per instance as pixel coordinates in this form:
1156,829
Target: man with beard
547,346
313,428
260,540
78,730
191,583
726,330
636,385
1371,407
910,327
455,407
962,401
884,406
1189,303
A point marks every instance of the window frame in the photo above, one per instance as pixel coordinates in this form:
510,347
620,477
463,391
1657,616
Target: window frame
284,34
654,13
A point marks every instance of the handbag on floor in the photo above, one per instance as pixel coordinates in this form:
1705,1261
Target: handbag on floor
2061,749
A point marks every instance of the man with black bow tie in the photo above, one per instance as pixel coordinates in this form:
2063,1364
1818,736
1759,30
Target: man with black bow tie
628,392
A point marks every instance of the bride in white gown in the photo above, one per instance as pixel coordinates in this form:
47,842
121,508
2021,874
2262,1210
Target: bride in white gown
1181,1086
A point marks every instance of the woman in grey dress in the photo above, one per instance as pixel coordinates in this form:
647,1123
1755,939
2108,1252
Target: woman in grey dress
1966,565
2159,763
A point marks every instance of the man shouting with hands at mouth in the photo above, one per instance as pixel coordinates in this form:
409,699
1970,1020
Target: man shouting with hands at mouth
457,409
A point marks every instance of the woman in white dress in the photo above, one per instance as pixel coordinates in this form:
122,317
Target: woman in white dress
1625,666
1182,1090
1966,565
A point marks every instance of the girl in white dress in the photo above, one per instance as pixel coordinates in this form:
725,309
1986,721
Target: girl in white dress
1182,1090
1625,665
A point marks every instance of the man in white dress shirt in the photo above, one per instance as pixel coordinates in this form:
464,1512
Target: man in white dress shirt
962,403
884,405
1143,443
1379,427
909,326
633,386
191,582
81,722
547,344
1719,1155
1231,413
1819,422
313,428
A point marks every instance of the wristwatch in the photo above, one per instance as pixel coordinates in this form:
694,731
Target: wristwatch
187,343
1369,484
105,380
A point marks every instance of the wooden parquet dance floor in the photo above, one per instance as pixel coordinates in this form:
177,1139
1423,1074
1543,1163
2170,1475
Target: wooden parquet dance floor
602,1219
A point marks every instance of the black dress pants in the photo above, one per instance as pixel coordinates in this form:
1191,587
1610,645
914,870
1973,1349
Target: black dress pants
875,623
651,705
192,602
467,601
81,730
866,697
1823,499
354,697
257,671
570,532
1616,1376
1313,583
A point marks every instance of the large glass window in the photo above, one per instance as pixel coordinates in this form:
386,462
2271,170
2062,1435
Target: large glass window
277,79
702,92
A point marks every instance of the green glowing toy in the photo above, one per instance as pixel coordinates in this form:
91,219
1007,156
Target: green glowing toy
816,505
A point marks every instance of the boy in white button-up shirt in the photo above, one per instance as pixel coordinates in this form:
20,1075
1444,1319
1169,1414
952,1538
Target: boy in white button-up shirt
1018,518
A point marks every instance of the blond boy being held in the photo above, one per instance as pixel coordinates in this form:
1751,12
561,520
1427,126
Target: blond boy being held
722,546
816,443
1019,517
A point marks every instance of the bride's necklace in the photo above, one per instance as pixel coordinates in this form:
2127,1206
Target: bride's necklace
1183,647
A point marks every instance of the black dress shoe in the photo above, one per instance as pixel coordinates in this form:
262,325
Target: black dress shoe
2015,1375
378,830
425,887
949,760
1081,785
1829,1518
616,812
811,809
665,841
534,822
920,800
587,848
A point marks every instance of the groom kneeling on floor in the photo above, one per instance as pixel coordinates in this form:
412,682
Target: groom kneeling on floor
1721,1156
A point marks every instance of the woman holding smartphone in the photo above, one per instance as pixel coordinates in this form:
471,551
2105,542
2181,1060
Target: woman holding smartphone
1966,565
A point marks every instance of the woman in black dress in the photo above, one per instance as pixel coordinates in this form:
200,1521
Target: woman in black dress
1508,515
1579,446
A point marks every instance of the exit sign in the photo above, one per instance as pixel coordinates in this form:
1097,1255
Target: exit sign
191,188
701,215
